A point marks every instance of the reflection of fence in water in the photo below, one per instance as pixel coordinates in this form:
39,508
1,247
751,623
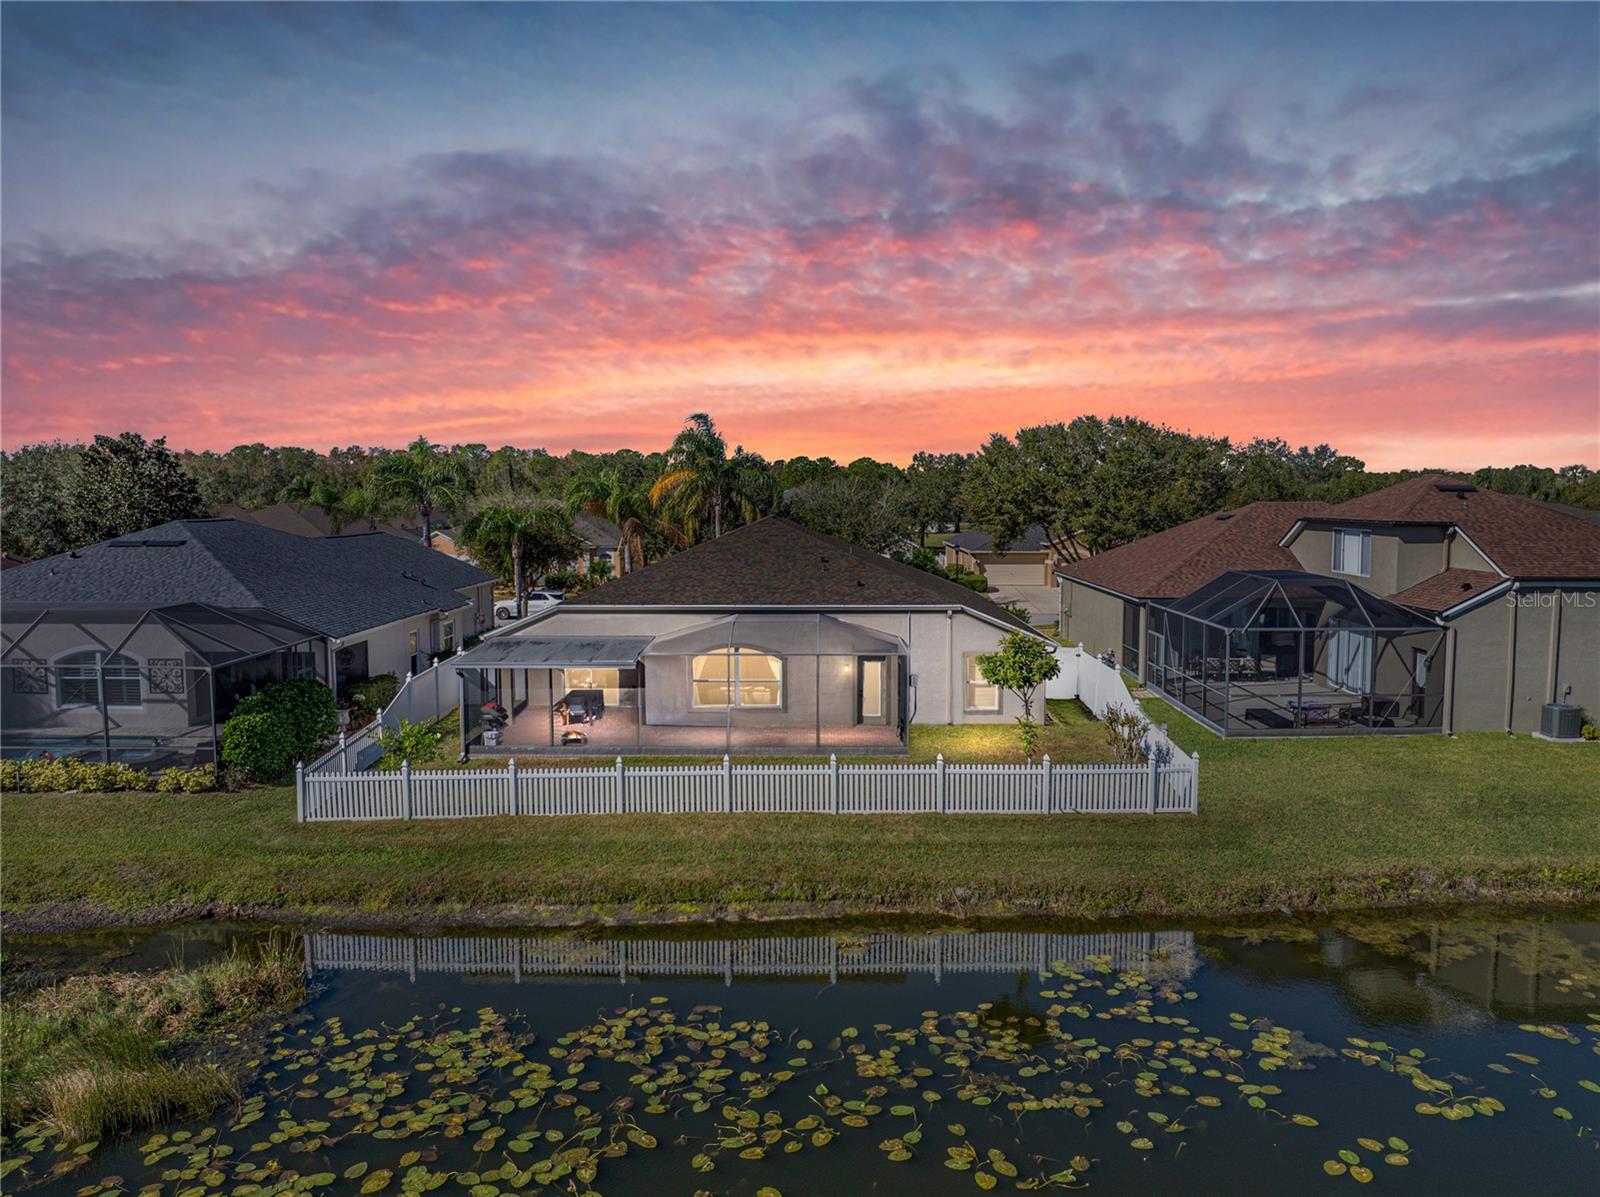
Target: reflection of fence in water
1160,955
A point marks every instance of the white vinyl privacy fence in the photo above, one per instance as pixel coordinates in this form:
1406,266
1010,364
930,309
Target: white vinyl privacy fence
422,698
1163,784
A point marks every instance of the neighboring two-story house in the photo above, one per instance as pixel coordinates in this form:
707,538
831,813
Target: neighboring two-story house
1431,605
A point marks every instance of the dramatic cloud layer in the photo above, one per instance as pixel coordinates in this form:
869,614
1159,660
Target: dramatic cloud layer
894,260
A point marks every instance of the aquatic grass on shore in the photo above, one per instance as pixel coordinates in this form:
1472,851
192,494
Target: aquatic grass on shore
91,1055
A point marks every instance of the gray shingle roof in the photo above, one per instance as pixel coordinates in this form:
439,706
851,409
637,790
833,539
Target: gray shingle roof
338,585
777,563
975,540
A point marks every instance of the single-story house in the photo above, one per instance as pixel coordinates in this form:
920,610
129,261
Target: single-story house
312,521
598,540
1429,606
770,638
137,648
1031,560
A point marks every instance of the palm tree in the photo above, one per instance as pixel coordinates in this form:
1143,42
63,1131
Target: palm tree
702,482
520,535
607,494
423,478
307,490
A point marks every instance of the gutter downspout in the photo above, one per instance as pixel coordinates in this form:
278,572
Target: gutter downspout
1551,679
1449,680
1511,656
950,667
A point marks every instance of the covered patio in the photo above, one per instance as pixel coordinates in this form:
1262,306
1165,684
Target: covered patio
1288,653
783,684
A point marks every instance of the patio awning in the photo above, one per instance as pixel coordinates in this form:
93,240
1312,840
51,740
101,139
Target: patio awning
785,635
554,652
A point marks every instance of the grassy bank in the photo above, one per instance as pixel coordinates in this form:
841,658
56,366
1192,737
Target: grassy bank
1307,825
98,1054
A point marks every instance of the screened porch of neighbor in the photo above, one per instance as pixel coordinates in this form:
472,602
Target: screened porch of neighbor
147,686
1285,653
785,684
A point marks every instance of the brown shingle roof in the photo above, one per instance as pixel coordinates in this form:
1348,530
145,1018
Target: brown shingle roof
1447,589
1170,564
777,563
1524,538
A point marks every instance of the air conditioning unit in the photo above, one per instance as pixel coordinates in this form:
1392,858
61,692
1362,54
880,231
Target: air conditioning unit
1561,721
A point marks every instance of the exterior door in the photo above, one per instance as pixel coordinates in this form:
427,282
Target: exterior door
872,676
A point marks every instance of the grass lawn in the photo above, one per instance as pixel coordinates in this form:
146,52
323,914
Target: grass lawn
1313,824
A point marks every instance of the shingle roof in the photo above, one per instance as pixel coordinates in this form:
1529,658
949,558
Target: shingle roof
310,521
1172,563
1447,589
976,540
777,563
596,532
1524,538
338,585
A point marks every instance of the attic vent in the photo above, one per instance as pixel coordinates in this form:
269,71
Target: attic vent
1456,488
147,544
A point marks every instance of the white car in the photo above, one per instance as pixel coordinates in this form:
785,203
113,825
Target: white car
537,600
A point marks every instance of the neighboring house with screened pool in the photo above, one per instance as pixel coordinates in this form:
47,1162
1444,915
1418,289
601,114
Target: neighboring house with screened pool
1429,606
137,648
771,638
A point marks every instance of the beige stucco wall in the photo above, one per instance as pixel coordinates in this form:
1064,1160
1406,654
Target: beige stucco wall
1091,618
388,647
936,641
1532,620
1401,556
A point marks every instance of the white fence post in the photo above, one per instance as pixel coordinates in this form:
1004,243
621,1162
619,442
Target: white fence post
514,807
622,784
1155,779
1047,778
409,703
344,752
727,783
300,792
1194,784
939,765
405,786
833,782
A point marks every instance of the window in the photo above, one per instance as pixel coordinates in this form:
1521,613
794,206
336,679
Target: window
78,680
737,677
1352,552
980,695
447,639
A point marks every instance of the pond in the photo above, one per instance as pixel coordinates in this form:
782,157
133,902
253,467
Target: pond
1423,1055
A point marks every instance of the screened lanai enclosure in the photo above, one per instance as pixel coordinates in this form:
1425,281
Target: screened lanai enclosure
146,686
762,683
1288,653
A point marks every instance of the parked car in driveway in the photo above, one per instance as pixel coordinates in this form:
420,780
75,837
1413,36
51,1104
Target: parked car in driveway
537,600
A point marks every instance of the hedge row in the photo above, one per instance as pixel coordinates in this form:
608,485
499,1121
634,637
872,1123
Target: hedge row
65,774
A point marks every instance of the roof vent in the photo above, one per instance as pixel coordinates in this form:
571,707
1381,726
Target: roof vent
1224,515
147,544
1456,488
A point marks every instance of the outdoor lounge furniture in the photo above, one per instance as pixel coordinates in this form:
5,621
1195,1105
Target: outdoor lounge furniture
582,706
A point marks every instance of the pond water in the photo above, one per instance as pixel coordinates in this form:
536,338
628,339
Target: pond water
1428,1055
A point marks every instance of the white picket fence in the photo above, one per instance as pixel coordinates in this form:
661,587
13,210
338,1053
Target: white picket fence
422,698
1164,784
1156,954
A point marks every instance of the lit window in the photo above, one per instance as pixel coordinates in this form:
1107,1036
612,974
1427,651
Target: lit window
78,680
1352,552
737,677
981,695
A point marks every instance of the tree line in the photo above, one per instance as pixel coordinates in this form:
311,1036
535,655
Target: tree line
1091,484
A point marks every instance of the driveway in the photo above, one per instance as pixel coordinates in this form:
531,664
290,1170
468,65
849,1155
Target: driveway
1043,603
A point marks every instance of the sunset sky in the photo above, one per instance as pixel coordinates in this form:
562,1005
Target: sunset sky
839,229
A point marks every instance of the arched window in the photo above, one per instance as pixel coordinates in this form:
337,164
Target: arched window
737,677
78,680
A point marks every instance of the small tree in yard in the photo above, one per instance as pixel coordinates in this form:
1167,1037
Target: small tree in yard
1021,665
1125,732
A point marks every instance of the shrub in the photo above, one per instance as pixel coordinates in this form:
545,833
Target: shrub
186,781
306,705
259,745
1590,732
412,742
65,774
276,726
1125,732
367,695
967,578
